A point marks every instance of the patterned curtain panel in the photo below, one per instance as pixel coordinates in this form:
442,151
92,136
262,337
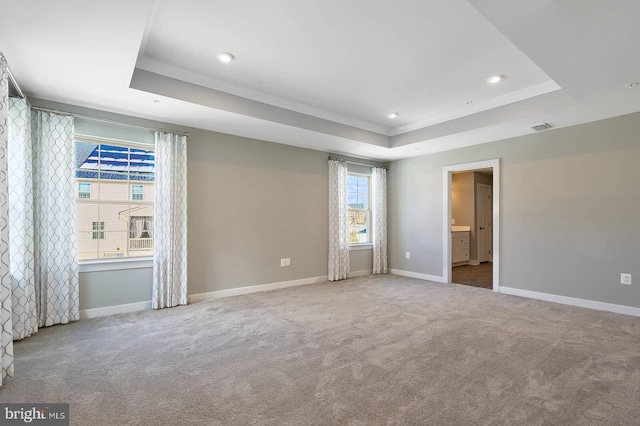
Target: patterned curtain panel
6,326
379,213
25,316
338,222
170,222
54,243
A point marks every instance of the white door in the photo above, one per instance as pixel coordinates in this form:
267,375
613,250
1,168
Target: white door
484,232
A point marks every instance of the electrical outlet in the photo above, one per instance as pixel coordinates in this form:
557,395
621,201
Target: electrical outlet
407,255
283,262
453,221
288,261
625,279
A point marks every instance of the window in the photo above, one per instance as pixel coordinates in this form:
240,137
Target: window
137,192
114,208
98,231
84,190
358,199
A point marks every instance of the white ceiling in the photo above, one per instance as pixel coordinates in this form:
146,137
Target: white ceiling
325,74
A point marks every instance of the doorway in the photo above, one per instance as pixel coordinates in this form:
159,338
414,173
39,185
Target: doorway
477,264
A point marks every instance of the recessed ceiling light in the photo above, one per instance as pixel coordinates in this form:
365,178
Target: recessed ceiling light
632,85
469,103
156,101
494,79
225,57
393,115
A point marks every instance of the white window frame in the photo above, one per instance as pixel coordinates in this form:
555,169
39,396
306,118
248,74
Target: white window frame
122,263
367,244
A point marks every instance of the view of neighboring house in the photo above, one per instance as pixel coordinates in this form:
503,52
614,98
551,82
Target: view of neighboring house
114,200
358,199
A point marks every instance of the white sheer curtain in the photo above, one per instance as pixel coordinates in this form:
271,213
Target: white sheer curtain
44,264
170,221
6,323
54,211
25,313
379,213
338,221
44,269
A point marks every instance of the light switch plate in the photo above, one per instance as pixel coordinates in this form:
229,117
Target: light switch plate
625,279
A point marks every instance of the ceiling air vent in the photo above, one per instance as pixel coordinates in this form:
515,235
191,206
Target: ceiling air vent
541,127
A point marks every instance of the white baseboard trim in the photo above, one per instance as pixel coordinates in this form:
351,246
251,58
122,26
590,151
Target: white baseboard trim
116,309
583,303
417,275
473,262
192,298
253,289
354,274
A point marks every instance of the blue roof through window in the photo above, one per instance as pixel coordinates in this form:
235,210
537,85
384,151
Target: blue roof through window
112,161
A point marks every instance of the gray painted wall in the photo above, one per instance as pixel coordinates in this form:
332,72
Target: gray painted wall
250,203
568,210
569,203
112,288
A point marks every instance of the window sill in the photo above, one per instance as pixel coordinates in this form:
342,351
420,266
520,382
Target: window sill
363,246
115,264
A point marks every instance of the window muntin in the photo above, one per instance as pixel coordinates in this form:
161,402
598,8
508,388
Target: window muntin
359,200
120,176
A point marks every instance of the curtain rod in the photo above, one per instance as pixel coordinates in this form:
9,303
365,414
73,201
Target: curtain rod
106,120
12,78
359,164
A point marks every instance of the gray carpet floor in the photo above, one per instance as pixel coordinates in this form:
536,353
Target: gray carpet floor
364,351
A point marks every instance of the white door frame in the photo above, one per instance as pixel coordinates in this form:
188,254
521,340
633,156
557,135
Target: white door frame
446,223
